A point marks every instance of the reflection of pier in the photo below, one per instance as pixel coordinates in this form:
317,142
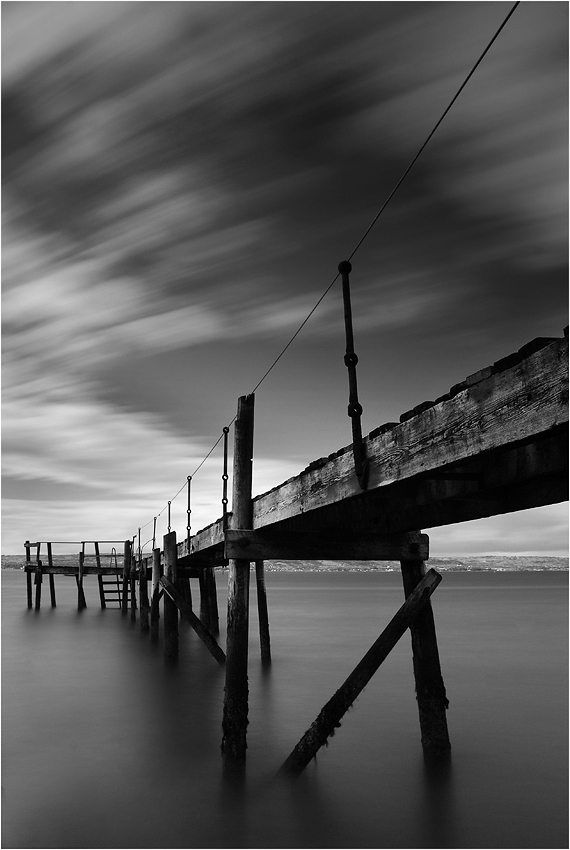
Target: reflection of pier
496,443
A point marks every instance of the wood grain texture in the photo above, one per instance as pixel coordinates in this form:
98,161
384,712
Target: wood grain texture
527,399
265,544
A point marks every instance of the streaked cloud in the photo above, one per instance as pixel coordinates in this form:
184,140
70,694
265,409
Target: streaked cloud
184,177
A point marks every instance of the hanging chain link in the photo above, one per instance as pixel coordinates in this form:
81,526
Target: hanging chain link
226,431
350,360
188,512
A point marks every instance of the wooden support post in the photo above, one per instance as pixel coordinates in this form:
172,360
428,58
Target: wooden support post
330,716
29,587
155,608
204,607
262,613
133,586
430,690
28,574
81,602
100,577
234,723
51,577
38,583
185,589
170,609
126,571
191,618
212,601
143,598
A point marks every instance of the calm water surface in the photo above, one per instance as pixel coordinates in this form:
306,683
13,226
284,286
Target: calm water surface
105,745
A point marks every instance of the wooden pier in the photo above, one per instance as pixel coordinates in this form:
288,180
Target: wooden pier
497,442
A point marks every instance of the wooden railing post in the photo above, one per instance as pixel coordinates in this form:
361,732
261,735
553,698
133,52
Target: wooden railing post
235,714
170,609
126,571
430,689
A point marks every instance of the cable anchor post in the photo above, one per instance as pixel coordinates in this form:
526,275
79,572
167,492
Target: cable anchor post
225,431
361,465
188,512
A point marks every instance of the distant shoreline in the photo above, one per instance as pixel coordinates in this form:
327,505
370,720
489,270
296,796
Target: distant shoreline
464,563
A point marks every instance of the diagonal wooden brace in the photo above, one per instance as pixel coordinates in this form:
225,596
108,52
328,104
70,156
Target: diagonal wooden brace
330,716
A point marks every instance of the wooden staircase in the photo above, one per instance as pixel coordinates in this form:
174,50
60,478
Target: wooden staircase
111,591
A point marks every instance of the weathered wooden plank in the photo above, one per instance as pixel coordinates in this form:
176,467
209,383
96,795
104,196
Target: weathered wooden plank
331,714
264,544
69,569
527,399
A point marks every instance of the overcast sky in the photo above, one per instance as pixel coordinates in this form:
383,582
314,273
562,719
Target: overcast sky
181,181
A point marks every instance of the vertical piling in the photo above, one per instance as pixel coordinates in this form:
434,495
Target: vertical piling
212,601
430,689
234,723
262,613
28,575
51,576
133,586
38,583
126,571
170,609
154,608
204,608
81,603
143,598
100,577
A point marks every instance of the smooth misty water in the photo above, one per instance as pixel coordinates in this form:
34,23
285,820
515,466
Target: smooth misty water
104,745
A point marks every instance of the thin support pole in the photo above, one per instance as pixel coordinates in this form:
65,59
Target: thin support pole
81,603
264,641
29,587
155,607
28,575
212,601
38,582
143,595
332,713
235,715
126,571
51,576
185,589
100,577
170,609
430,689
204,607
133,585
